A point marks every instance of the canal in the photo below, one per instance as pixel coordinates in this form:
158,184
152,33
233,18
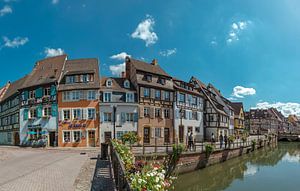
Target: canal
273,169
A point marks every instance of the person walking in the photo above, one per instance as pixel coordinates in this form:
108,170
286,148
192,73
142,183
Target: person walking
221,139
190,141
225,140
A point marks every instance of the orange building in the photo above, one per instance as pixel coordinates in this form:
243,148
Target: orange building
78,104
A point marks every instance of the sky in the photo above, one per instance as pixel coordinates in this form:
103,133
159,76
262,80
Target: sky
248,49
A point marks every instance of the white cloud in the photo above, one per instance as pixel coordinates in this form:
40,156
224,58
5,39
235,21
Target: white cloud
251,170
55,1
5,10
144,31
285,108
240,91
50,52
14,43
120,56
290,158
117,69
236,29
168,52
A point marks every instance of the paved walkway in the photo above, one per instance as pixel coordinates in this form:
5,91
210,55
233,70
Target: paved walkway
37,169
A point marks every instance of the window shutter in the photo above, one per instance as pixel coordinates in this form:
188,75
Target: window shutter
84,114
123,117
162,95
162,113
152,131
39,92
152,114
171,113
53,90
162,132
141,112
135,117
25,114
39,111
101,116
60,115
141,91
26,95
54,110
152,93
171,96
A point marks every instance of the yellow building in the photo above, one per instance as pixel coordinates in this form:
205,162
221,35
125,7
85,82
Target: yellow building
239,117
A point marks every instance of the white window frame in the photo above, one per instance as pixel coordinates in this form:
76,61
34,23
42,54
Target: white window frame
70,114
73,137
63,136
108,83
91,95
88,114
80,114
105,99
157,132
130,97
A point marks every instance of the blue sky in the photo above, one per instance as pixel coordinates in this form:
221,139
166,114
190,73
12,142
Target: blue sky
251,46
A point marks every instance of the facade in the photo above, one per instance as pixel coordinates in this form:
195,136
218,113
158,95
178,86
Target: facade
188,111
155,97
118,108
9,114
78,104
216,120
38,110
239,117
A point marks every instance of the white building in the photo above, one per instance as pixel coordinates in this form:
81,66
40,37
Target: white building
118,97
188,111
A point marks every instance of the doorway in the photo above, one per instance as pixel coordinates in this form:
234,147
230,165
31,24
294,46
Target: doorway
167,135
147,135
51,139
17,138
181,132
91,136
107,136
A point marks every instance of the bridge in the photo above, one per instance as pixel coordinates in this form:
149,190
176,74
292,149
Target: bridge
288,137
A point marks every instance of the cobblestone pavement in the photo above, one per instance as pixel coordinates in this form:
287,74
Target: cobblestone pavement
41,170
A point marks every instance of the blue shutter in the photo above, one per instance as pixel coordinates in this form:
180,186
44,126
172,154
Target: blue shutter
25,114
53,90
26,95
39,92
54,110
136,117
123,117
39,111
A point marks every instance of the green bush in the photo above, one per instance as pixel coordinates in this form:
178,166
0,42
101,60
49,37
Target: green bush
130,137
253,144
209,149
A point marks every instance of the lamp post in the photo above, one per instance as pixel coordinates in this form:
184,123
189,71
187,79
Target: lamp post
181,115
114,115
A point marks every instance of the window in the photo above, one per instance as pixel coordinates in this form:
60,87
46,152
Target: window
148,78
91,113
67,137
120,134
31,94
47,111
67,96
91,95
194,115
146,92
107,117
129,97
157,132
33,113
66,114
77,114
157,94
85,78
70,79
46,91
197,129
194,100
146,111
167,95
181,97
107,97
157,112
129,117
126,84
76,136
167,113
75,95
162,81
109,83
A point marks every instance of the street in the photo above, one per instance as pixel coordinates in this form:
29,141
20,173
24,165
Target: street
37,169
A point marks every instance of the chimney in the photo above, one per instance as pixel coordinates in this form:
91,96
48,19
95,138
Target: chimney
123,74
154,62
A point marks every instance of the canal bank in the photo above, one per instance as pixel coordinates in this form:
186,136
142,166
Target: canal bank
269,168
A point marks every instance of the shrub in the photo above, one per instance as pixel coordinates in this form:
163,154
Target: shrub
130,137
253,144
209,149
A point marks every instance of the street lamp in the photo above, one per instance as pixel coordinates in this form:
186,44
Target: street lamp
181,115
114,116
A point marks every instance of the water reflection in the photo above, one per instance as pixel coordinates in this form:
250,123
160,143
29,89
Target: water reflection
262,170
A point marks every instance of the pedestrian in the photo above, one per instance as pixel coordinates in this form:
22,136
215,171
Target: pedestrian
225,140
221,140
187,139
212,138
190,141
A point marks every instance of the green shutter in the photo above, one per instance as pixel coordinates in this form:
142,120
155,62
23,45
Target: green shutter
39,111
53,90
54,110
39,92
26,95
25,114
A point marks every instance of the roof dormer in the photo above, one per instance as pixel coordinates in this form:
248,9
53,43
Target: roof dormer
109,83
126,84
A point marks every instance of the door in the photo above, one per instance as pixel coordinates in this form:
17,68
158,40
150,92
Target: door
181,132
52,139
107,136
146,134
167,135
17,138
92,138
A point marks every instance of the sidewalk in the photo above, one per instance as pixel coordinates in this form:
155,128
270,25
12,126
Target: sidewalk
83,149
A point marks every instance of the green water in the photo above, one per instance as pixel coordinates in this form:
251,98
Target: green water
276,169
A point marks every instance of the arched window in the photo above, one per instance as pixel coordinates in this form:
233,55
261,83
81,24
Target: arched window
126,84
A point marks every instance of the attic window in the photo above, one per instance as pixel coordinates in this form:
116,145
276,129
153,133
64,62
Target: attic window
162,81
126,84
148,77
109,83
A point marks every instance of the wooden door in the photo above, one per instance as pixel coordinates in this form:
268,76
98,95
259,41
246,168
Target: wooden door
107,136
17,138
167,135
181,133
146,135
92,138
